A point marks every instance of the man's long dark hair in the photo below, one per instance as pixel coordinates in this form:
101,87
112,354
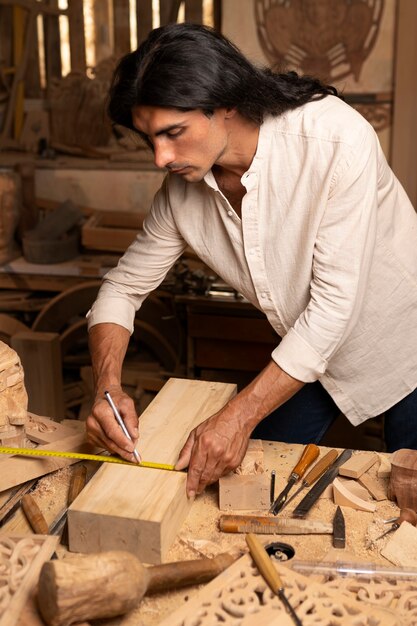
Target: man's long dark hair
189,66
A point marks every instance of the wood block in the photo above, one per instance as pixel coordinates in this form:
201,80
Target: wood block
403,479
22,559
139,509
358,464
401,549
384,469
344,497
354,487
239,492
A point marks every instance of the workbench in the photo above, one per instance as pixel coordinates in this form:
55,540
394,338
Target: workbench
199,534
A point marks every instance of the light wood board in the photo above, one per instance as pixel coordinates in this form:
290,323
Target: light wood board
139,509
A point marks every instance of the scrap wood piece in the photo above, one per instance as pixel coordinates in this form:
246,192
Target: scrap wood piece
401,549
239,596
22,559
43,430
15,470
356,488
358,464
384,469
140,509
403,480
376,487
344,497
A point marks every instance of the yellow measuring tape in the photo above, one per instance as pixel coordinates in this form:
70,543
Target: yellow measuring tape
82,456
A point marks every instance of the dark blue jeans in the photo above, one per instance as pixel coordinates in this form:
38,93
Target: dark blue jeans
306,416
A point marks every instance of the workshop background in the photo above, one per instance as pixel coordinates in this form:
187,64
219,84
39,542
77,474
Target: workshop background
74,191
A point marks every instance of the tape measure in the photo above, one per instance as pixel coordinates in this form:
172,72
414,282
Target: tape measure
84,457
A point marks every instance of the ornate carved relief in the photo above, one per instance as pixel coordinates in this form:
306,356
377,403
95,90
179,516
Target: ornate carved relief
326,38
13,398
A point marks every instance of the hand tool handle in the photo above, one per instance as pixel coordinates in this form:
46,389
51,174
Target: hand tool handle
407,515
264,563
269,526
94,586
34,515
320,467
310,454
183,573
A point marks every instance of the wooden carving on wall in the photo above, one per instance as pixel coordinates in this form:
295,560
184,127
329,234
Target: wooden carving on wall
326,38
13,398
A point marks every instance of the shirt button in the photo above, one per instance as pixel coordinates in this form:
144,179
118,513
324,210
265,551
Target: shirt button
264,295
229,213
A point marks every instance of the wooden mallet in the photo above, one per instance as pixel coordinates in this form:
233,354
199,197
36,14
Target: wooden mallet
77,589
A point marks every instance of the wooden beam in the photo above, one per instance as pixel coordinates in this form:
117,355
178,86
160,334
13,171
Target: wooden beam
194,11
40,354
139,509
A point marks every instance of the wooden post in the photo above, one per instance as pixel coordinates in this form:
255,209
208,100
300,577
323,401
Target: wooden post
121,27
40,355
143,19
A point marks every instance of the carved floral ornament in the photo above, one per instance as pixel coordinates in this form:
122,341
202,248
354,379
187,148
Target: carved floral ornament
326,38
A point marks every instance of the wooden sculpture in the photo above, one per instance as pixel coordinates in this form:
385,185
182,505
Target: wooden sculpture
13,399
403,480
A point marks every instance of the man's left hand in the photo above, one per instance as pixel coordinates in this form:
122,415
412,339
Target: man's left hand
214,448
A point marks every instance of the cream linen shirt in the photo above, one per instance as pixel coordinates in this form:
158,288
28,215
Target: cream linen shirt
326,248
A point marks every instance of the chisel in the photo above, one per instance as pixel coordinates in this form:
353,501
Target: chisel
260,525
310,454
315,492
314,474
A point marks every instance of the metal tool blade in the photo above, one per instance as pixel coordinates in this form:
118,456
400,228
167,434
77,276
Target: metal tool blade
280,500
315,492
339,530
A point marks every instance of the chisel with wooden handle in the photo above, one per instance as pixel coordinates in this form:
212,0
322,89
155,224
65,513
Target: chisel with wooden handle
259,525
314,474
310,454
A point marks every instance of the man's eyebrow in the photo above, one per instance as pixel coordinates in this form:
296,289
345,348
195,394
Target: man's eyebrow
166,129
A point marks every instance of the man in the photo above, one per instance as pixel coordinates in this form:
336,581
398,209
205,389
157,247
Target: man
283,190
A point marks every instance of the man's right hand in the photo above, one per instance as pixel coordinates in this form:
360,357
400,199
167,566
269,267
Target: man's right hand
103,429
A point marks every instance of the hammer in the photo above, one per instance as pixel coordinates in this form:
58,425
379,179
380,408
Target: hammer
112,583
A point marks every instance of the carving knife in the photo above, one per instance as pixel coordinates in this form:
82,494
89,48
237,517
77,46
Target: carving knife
315,492
310,454
314,474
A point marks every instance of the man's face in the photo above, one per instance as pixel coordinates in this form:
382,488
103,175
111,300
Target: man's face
187,143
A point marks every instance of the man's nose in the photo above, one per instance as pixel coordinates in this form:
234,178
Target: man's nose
163,155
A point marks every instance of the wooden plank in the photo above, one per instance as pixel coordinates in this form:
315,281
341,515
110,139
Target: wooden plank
375,486
15,470
239,492
140,509
168,11
76,36
121,27
22,558
40,354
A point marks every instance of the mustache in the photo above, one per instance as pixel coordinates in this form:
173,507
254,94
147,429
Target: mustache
176,166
